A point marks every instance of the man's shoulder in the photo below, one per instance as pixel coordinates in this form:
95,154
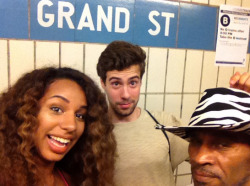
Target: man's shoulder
165,118
160,114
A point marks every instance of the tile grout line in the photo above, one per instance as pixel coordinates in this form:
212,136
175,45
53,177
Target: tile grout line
8,62
165,83
183,81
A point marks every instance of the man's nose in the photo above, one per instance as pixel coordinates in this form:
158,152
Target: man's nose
68,122
125,92
203,155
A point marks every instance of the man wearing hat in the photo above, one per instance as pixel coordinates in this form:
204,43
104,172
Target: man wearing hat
219,136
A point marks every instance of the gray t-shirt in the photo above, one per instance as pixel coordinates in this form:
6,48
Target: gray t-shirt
143,151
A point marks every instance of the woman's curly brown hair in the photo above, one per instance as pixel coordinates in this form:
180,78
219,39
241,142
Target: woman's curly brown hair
91,160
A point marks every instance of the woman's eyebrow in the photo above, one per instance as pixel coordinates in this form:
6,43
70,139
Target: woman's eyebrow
66,100
61,97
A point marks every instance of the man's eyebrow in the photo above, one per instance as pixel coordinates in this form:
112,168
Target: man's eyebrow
135,77
114,78
117,78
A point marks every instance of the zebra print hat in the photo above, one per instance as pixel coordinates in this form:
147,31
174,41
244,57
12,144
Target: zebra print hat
219,108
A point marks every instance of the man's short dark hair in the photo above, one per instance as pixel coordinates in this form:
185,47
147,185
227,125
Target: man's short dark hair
120,55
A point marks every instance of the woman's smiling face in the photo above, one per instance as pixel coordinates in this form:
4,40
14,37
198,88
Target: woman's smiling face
61,119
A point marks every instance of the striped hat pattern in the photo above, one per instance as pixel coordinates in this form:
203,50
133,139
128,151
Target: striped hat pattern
219,108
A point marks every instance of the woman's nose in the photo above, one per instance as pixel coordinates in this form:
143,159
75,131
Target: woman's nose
68,122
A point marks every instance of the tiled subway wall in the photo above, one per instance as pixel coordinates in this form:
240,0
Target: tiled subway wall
173,82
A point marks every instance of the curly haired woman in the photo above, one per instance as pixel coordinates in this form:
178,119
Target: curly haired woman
54,130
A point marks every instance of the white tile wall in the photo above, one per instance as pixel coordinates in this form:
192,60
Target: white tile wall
233,2
200,1
248,57
224,76
172,104
156,69
3,65
175,70
154,102
72,55
243,69
92,53
21,58
141,102
184,168
181,180
246,3
209,71
193,71
185,0
47,54
217,2
190,102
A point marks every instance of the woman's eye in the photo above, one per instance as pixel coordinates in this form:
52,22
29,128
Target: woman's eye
56,109
81,116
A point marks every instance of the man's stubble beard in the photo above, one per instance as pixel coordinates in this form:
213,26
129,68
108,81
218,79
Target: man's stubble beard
123,113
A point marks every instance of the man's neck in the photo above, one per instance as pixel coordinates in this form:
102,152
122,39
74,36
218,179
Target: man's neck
124,119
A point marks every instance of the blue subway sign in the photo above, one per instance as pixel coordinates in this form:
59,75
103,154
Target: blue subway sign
14,19
145,22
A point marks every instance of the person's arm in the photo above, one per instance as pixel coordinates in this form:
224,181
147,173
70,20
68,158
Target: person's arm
240,81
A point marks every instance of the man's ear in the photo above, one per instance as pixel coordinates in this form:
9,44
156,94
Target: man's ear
102,83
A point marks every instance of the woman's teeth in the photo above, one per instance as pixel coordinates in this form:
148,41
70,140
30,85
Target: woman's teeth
61,140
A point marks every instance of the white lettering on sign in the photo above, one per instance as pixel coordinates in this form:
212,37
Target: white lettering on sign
107,20
119,11
50,17
86,19
66,11
167,23
152,19
66,15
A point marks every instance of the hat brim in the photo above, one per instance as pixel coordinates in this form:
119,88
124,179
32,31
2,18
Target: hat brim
184,132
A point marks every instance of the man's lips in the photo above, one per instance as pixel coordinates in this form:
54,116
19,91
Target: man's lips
125,105
204,175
